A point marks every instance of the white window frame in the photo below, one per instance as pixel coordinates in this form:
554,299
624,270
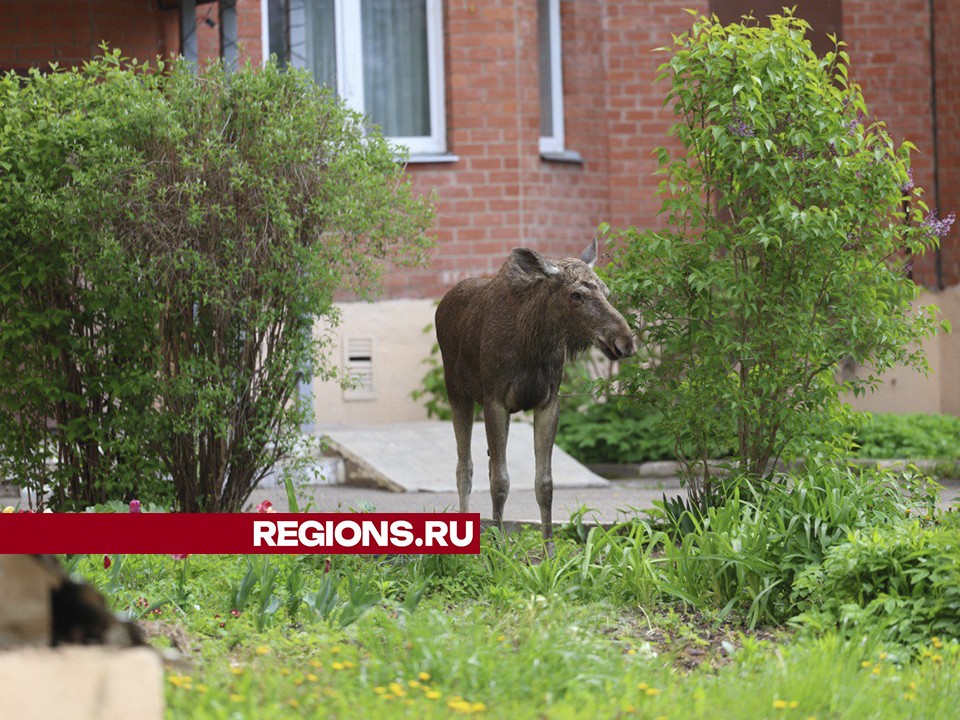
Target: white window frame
555,142
349,53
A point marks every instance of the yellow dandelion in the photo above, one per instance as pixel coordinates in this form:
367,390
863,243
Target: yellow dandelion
865,663
397,689
909,697
335,649
285,671
652,691
501,638
380,690
311,677
631,651
201,688
424,676
478,707
179,680
936,642
237,698
298,682
883,656
912,685
347,664
336,665
263,650
293,702
8,509
433,695
629,709
388,696
780,704
937,658
642,686
316,664
236,670
414,683
794,704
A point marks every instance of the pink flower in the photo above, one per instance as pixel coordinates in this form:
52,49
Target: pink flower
134,506
179,556
265,507
107,562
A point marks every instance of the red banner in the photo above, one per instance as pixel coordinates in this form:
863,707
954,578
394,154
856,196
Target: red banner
240,533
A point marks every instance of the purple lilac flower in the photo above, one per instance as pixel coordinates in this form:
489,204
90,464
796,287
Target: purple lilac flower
740,129
853,242
939,226
908,185
852,125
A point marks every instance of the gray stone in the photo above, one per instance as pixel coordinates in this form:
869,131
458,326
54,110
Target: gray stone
81,683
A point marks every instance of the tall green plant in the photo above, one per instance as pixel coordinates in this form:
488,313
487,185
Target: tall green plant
180,231
790,218
78,356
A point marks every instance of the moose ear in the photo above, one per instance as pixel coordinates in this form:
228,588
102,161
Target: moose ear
589,256
533,263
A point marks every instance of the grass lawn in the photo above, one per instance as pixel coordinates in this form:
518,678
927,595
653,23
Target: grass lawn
505,634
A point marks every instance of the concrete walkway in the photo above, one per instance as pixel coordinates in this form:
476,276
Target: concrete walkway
422,457
619,500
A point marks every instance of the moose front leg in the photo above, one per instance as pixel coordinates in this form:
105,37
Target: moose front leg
544,433
462,411
497,422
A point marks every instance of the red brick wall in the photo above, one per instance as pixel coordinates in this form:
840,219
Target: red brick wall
637,124
36,32
501,194
249,33
947,45
889,46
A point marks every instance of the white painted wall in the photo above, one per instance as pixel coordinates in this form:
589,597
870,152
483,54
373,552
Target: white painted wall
905,390
399,349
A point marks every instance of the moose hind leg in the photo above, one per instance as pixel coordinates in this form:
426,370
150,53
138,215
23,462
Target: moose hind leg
497,422
544,433
462,410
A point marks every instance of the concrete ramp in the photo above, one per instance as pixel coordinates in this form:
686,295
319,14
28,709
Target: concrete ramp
422,457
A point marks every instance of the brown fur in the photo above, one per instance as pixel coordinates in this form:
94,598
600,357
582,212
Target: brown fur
504,341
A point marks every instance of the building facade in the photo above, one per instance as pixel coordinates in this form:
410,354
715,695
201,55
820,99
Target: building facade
531,122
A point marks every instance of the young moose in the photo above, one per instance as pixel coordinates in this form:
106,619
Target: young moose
504,341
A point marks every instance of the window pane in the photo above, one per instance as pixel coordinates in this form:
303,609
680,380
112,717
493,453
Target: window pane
277,29
395,71
546,78
322,41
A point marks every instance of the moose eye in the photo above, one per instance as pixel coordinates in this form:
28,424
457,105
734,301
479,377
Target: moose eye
576,297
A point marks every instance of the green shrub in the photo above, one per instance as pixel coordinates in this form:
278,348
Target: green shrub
911,435
747,552
607,432
901,580
785,213
174,234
